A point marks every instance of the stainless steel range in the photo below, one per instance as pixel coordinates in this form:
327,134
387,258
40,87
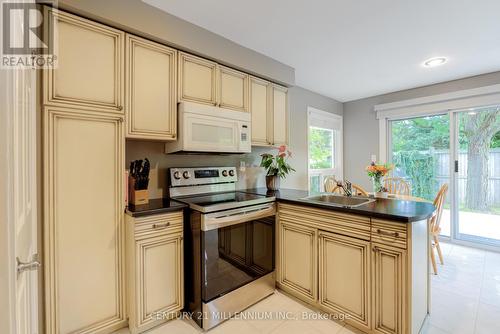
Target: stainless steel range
229,243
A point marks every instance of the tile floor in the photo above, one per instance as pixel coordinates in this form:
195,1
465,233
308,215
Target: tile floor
465,300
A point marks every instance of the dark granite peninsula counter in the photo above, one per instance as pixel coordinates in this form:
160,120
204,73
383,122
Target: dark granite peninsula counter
382,208
154,207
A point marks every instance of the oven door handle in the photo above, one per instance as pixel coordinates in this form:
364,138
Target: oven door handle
217,220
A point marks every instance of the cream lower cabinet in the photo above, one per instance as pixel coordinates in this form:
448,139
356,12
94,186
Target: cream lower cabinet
83,221
389,298
344,278
371,273
151,77
297,268
154,269
89,70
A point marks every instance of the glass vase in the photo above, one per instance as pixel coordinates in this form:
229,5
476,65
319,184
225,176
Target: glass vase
377,184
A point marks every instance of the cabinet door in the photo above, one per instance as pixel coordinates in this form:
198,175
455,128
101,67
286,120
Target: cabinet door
232,89
83,227
389,289
297,260
344,277
89,70
261,113
197,79
151,90
280,114
159,279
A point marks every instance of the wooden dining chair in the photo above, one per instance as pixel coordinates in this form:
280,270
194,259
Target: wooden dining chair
397,185
434,227
332,187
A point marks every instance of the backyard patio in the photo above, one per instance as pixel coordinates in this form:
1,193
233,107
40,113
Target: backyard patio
485,225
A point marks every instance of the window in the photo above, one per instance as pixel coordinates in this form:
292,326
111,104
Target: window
324,147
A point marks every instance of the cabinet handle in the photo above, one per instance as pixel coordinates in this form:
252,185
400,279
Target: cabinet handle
167,224
390,234
120,108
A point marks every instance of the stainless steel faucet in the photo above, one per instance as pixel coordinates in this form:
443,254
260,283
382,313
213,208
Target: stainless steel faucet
346,186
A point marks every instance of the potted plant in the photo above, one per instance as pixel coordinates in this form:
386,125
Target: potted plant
276,166
377,172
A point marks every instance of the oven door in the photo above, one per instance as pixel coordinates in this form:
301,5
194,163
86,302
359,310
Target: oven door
237,248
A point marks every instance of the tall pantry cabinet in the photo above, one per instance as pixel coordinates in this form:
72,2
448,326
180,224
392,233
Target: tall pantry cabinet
83,151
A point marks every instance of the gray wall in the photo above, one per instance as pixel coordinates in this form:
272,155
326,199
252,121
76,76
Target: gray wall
361,133
252,175
139,18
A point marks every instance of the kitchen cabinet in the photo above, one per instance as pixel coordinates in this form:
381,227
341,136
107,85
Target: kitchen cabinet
389,301
154,269
232,89
151,103
374,271
83,153
89,72
279,106
261,112
269,108
344,277
297,260
197,79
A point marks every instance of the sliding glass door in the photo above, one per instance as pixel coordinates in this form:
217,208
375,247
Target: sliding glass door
477,175
462,149
419,148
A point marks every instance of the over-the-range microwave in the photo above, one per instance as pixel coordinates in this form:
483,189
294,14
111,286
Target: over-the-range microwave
204,128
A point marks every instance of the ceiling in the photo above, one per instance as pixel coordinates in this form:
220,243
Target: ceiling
353,49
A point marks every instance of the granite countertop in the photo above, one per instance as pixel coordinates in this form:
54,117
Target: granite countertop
154,207
390,209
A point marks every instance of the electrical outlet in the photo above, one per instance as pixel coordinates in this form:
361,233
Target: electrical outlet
374,158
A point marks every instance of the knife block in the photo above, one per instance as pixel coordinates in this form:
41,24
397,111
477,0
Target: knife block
137,197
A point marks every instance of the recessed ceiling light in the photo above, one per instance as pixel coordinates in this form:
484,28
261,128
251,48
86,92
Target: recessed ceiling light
433,62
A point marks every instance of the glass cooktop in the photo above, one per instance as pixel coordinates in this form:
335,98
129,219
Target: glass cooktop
223,201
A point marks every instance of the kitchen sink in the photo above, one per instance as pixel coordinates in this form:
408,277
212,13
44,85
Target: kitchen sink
338,200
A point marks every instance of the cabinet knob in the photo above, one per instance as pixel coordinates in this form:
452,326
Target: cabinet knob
375,249
120,108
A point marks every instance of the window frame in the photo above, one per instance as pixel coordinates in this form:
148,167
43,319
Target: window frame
336,122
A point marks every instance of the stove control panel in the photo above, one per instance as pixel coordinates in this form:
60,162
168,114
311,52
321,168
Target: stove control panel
201,176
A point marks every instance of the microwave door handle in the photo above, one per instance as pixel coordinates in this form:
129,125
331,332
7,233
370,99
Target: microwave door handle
212,223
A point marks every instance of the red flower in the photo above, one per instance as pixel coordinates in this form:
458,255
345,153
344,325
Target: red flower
282,154
282,149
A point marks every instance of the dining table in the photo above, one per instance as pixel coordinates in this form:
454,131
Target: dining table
404,197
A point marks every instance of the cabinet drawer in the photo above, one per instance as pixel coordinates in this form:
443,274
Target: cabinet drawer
389,233
327,220
169,222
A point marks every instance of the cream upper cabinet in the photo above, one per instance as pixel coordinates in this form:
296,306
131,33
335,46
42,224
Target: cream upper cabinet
155,269
261,113
197,79
297,256
89,70
232,89
151,99
389,285
83,221
344,277
279,105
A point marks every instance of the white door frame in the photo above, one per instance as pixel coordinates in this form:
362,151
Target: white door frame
448,103
339,148
18,197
